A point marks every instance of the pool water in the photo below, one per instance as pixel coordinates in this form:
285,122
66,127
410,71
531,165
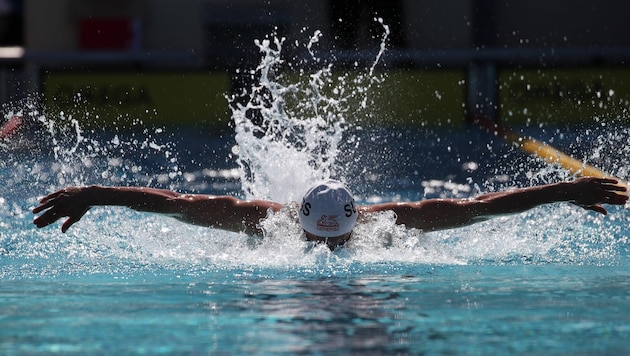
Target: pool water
553,280
388,308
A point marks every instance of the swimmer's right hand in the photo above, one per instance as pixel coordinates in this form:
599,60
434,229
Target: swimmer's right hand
71,202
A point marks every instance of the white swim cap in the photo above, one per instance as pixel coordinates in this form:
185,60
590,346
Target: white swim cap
328,210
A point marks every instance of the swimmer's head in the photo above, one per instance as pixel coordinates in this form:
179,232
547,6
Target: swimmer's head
328,213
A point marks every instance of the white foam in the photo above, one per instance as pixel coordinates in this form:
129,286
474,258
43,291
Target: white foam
294,140
295,143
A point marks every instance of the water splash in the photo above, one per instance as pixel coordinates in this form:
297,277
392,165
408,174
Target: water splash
290,129
55,151
290,126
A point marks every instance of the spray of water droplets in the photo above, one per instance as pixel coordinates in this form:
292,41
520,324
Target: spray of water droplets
289,126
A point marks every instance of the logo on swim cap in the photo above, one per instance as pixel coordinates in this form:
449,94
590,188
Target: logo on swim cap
328,210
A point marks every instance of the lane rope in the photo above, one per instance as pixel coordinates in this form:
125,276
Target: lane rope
545,151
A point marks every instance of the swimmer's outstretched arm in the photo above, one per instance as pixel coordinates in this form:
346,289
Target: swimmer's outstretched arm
438,214
223,212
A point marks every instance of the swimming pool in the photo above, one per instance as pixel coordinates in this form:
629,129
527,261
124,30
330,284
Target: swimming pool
554,280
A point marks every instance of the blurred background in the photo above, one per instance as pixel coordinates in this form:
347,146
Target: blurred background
170,62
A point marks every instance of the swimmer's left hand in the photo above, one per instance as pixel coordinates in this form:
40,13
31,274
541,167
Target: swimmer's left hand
590,192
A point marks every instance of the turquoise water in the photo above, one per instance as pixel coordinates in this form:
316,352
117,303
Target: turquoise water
553,280
390,308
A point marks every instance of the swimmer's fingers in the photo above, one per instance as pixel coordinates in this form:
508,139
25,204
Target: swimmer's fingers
64,203
612,185
42,207
612,181
589,192
596,208
615,185
71,220
617,199
53,214
49,200
607,194
48,217
52,196
614,194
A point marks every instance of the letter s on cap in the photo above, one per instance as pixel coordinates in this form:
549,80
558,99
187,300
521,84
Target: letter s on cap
306,208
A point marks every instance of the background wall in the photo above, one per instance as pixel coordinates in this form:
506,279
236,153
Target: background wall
483,55
170,24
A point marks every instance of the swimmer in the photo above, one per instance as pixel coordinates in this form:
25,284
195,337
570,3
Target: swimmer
327,212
